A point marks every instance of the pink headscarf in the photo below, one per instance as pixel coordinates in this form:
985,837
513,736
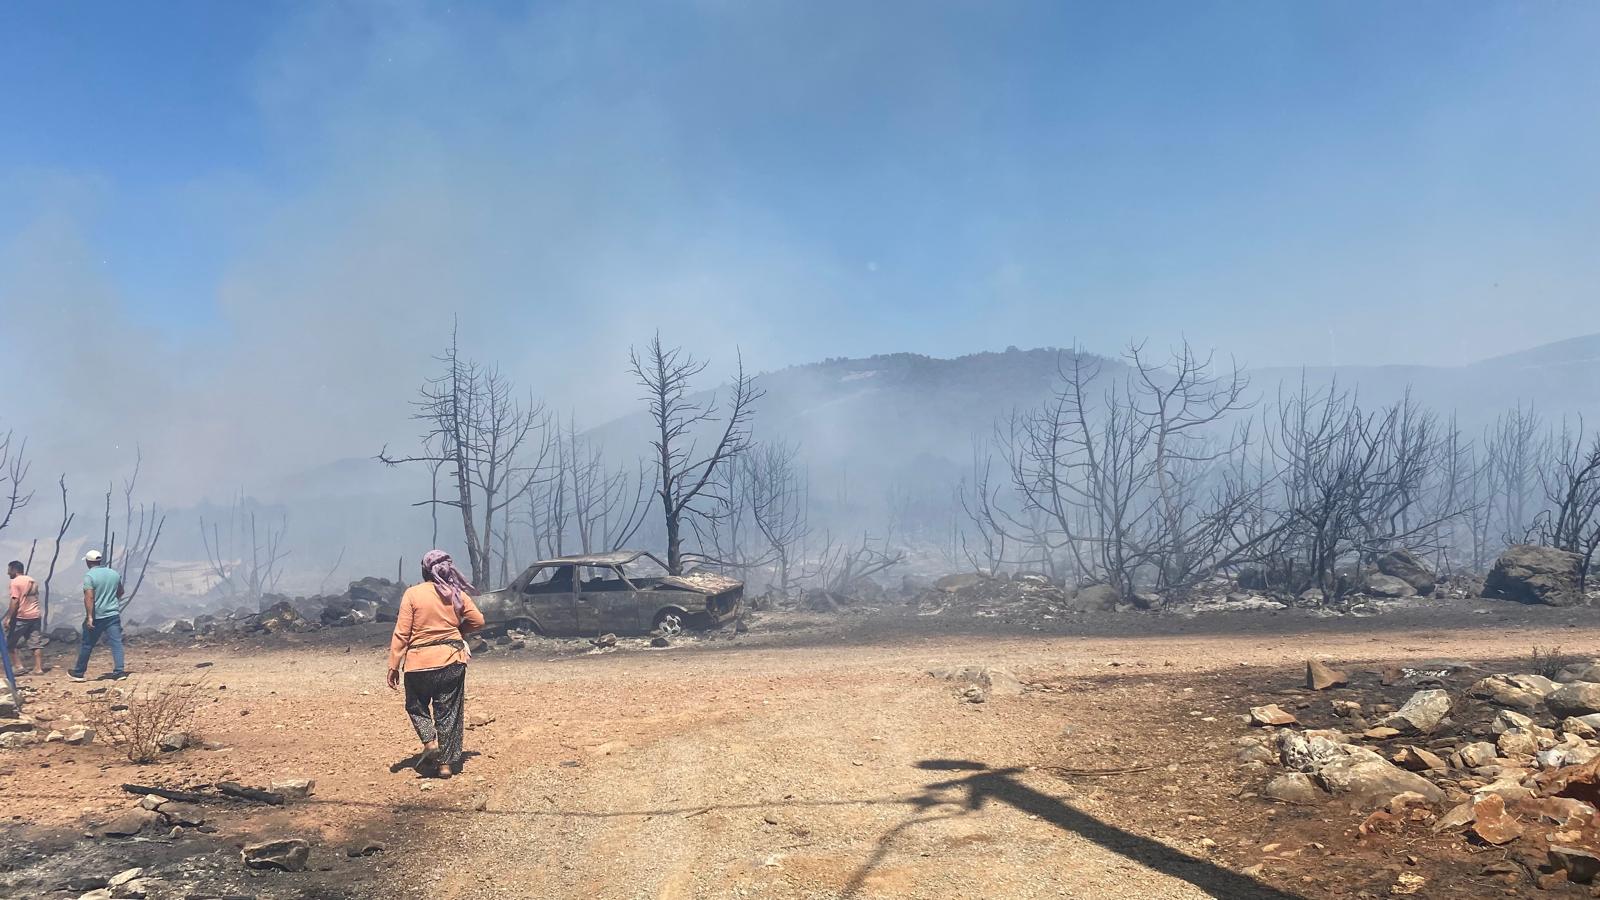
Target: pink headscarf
447,579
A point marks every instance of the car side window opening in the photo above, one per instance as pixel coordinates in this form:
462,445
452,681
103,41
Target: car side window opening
551,580
603,578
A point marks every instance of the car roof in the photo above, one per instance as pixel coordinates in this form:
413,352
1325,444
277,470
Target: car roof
614,558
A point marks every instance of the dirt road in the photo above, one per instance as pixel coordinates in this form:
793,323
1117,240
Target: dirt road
820,762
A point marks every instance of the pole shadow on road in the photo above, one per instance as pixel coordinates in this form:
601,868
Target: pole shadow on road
981,785
984,785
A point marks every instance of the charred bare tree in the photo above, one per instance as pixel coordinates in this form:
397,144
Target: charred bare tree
1136,482
141,532
246,559
55,555
582,500
1452,497
1516,449
1572,488
779,504
1353,483
985,541
14,467
841,564
492,446
686,479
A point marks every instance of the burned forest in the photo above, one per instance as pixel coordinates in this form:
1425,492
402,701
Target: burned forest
791,451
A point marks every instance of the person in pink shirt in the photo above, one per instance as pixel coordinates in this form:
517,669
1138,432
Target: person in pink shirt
22,616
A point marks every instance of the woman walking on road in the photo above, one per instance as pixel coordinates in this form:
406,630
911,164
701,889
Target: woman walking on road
430,645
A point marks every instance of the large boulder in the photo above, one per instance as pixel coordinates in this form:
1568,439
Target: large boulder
961,581
1526,692
280,616
1095,597
1368,776
1404,565
1380,585
1299,753
1421,714
381,590
1528,573
1580,698
1293,787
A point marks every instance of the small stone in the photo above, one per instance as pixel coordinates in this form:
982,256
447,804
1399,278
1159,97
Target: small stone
1407,883
1271,715
1491,823
129,823
173,741
367,848
78,735
294,788
288,854
151,802
1507,719
1477,755
1405,800
183,814
1346,709
1517,742
1380,733
123,877
1416,759
1322,677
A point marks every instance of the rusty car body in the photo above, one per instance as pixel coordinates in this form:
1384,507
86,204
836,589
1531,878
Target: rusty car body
604,593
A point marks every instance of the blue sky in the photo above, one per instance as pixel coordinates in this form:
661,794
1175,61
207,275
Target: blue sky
280,199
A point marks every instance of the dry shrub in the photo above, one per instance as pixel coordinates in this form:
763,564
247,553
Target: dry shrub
1549,661
152,711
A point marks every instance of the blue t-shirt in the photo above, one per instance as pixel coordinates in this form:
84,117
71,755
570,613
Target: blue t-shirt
103,580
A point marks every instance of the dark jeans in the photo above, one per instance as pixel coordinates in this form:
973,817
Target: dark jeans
434,700
111,629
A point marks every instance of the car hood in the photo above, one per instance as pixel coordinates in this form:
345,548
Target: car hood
702,582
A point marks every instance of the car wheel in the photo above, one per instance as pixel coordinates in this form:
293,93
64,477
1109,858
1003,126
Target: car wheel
669,622
524,625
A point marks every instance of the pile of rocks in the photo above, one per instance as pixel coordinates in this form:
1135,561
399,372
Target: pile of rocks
1507,760
37,723
1021,597
367,600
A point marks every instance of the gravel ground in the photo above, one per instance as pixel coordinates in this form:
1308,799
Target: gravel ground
806,759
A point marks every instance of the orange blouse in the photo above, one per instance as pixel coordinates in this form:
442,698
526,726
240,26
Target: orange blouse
424,618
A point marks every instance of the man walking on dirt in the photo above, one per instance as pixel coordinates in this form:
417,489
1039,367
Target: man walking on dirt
22,616
102,615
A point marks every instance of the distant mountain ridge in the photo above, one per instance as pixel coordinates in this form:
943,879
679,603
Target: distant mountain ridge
905,423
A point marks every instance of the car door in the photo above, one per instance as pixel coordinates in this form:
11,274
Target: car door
606,602
551,598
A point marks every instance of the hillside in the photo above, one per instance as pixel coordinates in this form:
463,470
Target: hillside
898,424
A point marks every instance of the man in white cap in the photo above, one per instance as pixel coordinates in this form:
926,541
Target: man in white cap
102,615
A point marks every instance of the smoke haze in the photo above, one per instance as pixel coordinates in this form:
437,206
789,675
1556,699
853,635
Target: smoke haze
236,244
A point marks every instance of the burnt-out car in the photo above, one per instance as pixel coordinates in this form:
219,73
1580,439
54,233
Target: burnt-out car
622,592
